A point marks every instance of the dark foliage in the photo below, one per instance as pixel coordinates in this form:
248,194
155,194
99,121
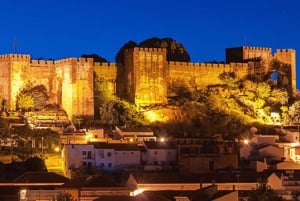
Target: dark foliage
96,57
120,54
175,50
15,169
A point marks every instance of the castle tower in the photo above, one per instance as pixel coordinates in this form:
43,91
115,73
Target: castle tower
245,53
12,71
146,75
288,57
77,87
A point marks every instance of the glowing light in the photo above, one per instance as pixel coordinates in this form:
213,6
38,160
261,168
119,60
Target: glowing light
131,140
136,192
295,144
88,137
162,139
151,116
56,149
246,141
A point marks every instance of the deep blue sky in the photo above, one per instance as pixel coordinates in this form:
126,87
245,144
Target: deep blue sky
69,28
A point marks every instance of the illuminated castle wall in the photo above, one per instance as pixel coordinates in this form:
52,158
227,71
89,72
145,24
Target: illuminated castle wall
145,78
69,81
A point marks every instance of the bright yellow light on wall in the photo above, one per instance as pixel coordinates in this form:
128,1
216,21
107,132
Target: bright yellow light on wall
56,149
151,116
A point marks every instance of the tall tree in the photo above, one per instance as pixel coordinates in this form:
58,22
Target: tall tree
120,54
175,50
96,57
32,97
263,192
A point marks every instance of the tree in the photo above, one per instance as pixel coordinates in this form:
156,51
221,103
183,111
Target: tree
229,78
294,112
263,90
120,54
175,50
25,102
96,57
263,192
32,97
35,164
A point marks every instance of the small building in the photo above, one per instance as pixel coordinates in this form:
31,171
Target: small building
90,188
101,156
135,134
159,155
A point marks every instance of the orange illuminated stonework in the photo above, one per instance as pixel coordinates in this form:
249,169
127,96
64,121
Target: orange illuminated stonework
145,78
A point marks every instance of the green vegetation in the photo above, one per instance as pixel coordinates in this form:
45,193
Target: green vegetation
34,142
96,57
10,171
32,97
263,192
231,107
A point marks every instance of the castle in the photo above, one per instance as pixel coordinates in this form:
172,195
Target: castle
145,77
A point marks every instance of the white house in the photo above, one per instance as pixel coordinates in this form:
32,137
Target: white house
117,156
100,155
159,155
76,156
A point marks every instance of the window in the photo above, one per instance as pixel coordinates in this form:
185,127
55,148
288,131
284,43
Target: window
89,155
155,152
84,164
109,154
101,153
109,164
84,153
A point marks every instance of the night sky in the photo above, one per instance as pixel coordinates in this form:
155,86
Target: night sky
69,28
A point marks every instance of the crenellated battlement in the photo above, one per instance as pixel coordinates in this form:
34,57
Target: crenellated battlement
42,62
15,56
285,51
104,65
200,65
265,49
72,60
151,50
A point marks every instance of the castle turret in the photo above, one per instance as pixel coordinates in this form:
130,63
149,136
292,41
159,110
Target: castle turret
146,74
289,57
13,68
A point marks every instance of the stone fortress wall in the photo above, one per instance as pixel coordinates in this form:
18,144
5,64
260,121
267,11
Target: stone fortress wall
145,78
